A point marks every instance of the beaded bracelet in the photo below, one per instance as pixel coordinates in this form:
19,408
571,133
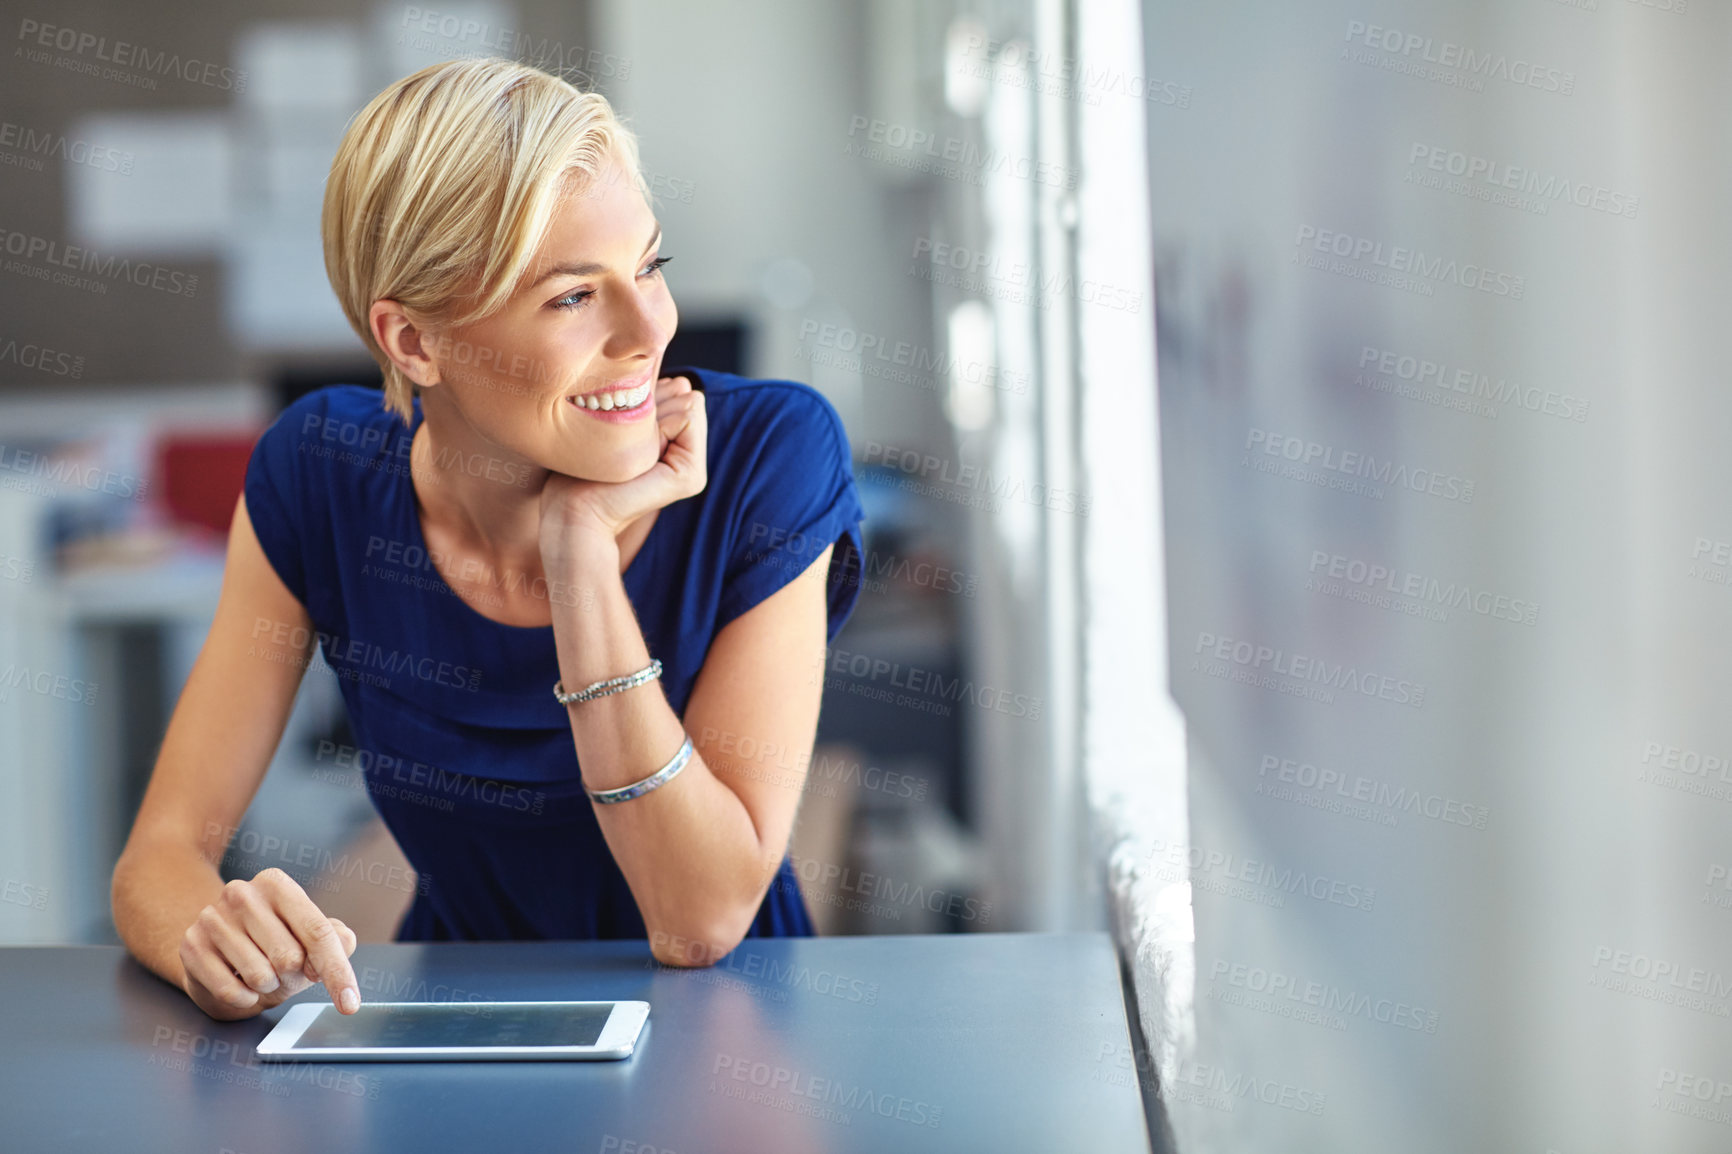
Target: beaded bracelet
611,685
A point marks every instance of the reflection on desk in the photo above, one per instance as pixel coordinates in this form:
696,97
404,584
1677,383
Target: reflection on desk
1000,1042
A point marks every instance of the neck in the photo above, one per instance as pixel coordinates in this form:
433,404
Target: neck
483,495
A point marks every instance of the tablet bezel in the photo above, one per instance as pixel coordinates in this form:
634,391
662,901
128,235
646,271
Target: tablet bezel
618,1037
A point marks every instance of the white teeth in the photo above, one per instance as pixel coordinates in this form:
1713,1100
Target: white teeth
606,402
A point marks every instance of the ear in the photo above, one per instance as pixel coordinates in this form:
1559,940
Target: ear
412,349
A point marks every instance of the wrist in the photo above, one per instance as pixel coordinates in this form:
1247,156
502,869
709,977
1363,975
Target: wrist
579,547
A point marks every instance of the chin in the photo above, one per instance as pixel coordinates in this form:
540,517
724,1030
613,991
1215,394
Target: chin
622,466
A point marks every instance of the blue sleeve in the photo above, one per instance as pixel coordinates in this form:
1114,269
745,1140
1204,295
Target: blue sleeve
276,492
797,496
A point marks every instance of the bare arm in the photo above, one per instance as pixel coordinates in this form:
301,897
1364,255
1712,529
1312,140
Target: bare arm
238,948
699,852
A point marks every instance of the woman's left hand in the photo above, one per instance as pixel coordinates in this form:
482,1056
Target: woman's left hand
570,505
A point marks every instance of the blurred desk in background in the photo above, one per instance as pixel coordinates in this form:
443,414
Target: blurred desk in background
111,555
87,659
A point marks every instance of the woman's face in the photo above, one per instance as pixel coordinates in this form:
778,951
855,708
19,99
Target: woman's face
564,376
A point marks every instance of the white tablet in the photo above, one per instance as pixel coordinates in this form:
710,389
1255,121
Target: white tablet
456,1032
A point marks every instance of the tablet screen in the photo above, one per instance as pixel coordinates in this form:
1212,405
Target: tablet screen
458,1024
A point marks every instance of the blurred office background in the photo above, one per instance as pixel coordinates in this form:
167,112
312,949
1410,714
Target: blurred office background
864,197
1438,857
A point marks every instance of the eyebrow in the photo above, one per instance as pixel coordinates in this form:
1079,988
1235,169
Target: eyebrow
589,268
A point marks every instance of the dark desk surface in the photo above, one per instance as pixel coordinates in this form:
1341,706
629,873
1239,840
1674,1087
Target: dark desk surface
989,1042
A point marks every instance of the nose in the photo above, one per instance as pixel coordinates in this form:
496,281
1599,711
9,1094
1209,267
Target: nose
637,327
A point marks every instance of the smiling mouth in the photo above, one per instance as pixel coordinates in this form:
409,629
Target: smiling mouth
616,400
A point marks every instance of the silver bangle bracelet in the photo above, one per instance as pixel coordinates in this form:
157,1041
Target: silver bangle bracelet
654,781
610,685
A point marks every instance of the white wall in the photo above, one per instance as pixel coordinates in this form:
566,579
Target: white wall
1503,938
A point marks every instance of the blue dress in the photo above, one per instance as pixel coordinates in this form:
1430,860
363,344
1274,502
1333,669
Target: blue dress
466,755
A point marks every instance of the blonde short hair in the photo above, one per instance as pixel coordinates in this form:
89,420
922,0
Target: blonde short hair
444,187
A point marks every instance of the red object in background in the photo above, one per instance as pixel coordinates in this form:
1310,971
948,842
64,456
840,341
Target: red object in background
200,476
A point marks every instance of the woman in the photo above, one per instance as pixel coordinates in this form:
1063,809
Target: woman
565,619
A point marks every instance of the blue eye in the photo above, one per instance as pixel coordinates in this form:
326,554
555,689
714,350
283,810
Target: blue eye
579,298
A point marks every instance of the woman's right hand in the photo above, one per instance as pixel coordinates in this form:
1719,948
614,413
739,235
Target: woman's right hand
269,932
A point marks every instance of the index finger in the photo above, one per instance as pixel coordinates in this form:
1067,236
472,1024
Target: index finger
667,387
324,945
694,434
